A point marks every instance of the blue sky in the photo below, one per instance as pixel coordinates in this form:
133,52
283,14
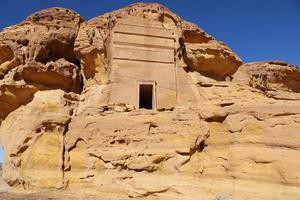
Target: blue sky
256,30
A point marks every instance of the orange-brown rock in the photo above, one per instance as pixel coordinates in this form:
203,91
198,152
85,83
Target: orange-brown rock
200,51
44,36
206,55
60,74
275,78
268,76
7,60
140,104
13,96
38,54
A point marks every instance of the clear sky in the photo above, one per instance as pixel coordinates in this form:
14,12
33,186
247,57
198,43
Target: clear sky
256,30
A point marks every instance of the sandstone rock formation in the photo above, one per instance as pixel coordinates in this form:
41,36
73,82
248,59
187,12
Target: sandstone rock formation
38,54
140,104
204,54
276,78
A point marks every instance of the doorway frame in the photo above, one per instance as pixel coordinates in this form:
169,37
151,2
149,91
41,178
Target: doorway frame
146,82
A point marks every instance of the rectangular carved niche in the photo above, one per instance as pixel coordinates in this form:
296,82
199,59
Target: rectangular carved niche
146,94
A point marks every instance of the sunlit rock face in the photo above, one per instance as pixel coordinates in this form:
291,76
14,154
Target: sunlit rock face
140,104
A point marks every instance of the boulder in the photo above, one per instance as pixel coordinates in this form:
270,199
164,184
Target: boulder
205,54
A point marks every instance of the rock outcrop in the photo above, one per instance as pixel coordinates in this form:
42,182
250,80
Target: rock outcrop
38,54
276,78
71,110
206,55
200,51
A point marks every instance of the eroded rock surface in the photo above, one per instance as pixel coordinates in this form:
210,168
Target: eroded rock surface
38,54
72,115
275,78
206,55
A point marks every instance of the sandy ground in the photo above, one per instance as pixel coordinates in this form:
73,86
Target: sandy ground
7,194
57,195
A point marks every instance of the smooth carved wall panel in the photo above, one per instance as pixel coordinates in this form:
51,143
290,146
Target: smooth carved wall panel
143,40
127,70
143,27
143,54
142,50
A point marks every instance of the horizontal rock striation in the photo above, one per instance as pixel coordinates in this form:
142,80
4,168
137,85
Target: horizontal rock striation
71,117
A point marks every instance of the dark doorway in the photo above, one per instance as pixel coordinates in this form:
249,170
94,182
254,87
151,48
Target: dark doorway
146,96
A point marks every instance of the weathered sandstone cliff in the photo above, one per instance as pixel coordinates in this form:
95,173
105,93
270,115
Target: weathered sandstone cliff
71,112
